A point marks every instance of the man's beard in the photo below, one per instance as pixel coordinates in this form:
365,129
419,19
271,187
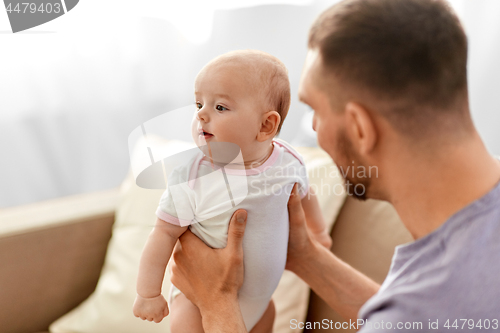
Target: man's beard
355,186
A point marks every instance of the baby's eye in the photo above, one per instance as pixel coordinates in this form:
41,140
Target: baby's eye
199,106
220,108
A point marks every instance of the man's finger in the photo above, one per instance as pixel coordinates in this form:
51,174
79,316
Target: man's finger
192,240
295,211
177,247
176,253
173,272
237,230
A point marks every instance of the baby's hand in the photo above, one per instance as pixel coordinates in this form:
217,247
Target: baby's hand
151,309
323,238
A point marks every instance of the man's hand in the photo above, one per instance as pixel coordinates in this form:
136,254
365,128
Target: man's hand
299,241
211,278
323,238
341,286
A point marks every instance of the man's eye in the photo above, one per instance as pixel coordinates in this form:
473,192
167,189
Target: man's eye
220,108
199,106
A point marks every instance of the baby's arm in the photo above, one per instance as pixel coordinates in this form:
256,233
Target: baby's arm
149,303
314,219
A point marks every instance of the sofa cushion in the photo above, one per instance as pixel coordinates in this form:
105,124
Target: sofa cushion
109,308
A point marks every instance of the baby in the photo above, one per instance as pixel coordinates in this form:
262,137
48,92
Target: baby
242,99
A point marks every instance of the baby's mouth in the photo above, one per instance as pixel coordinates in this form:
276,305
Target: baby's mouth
206,135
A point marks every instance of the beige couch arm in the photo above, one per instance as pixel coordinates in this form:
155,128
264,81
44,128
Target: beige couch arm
51,254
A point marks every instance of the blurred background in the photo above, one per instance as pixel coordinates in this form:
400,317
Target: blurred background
73,89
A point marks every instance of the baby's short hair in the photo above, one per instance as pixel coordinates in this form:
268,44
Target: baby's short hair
270,71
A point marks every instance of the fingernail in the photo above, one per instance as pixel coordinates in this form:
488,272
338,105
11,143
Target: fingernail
241,217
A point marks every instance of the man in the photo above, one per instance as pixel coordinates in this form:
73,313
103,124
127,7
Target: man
387,82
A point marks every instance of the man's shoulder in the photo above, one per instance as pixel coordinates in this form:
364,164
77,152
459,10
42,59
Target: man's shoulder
475,230
450,274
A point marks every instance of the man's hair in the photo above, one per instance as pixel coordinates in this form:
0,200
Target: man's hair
410,53
271,78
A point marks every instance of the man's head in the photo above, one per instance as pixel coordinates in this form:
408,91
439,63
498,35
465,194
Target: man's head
241,97
397,64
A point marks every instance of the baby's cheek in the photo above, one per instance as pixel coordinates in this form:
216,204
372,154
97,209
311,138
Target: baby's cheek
194,131
195,137
241,134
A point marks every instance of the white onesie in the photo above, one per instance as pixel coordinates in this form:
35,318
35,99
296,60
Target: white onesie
205,198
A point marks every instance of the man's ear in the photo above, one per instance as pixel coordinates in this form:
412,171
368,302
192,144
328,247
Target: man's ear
268,126
360,128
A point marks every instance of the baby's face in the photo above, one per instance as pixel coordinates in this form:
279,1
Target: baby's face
229,109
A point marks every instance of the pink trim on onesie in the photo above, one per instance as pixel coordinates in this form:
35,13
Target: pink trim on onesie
248,172
171,219
290,150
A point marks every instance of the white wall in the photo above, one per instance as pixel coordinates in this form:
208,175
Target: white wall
69,96
482,23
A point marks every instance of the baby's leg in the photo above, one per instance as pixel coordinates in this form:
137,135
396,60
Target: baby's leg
265,324
184,316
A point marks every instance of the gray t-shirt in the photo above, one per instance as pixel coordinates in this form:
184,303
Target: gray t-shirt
447,281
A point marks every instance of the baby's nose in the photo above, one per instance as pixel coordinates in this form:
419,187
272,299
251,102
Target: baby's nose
202,115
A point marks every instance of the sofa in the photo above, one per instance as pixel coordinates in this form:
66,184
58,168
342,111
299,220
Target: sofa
59,259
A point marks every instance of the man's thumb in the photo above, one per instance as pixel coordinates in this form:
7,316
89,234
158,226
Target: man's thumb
237,228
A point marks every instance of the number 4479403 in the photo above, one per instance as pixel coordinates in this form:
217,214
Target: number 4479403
471,324
31,7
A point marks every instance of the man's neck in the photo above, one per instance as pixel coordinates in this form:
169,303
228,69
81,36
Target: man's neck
427,191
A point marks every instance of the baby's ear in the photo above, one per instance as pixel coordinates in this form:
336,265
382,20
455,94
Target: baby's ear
269,125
